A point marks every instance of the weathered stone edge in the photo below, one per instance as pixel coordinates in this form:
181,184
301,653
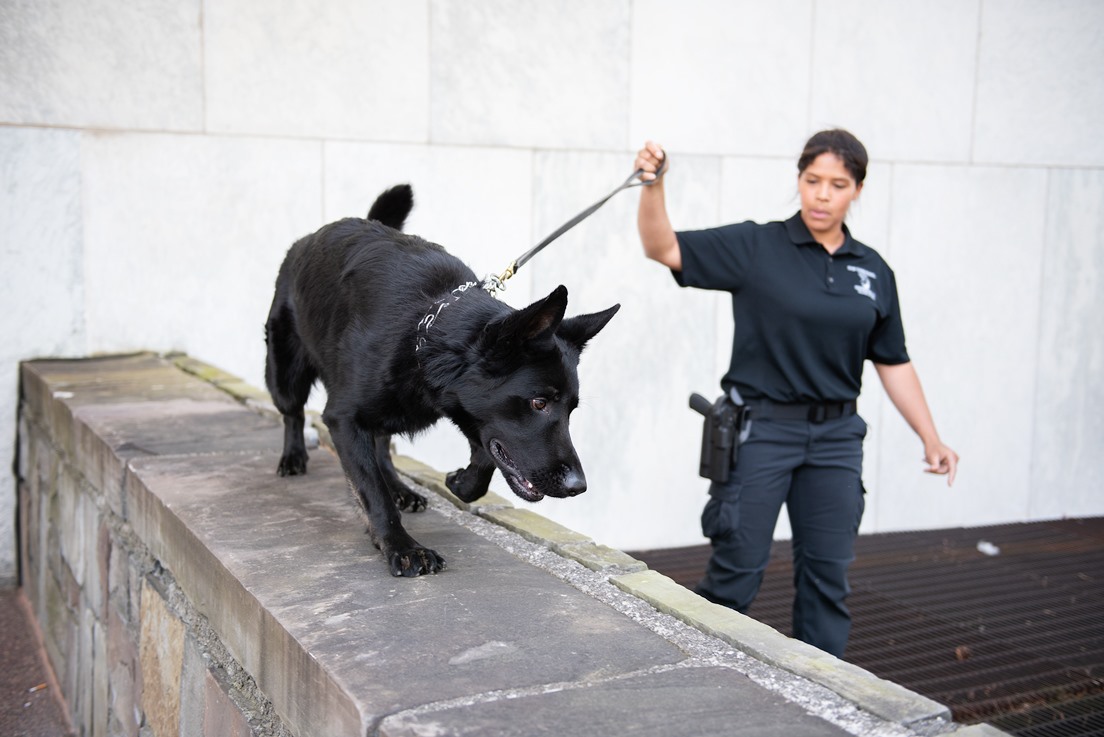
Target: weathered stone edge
882,698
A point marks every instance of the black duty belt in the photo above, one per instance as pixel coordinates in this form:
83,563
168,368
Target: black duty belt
764,409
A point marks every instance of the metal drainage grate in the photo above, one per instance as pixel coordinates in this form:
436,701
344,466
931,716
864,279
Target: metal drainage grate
1002,624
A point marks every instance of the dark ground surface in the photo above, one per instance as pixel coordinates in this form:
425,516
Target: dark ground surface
1002,624
30,701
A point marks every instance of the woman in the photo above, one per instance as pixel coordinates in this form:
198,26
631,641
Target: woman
810,305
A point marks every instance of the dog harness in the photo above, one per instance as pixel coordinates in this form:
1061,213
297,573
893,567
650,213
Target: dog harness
438,307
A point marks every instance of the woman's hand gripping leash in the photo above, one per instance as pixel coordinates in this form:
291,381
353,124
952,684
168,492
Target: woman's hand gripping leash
651,163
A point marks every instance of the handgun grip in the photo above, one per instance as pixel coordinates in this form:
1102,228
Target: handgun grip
700,404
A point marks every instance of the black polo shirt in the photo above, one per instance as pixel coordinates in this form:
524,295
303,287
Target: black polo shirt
805,319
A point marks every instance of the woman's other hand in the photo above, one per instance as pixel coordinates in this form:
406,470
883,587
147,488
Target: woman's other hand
941,460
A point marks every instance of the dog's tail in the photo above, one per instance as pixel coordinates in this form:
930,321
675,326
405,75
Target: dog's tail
392,206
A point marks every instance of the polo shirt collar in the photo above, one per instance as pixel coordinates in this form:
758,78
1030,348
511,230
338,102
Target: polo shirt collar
800,235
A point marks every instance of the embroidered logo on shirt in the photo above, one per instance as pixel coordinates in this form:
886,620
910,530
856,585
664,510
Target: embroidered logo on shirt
863,287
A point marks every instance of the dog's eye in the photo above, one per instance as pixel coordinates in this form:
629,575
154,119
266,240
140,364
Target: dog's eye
540,404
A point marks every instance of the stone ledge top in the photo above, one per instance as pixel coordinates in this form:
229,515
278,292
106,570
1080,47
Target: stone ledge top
530,621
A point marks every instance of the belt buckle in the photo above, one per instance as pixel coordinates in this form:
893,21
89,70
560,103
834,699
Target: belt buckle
818,413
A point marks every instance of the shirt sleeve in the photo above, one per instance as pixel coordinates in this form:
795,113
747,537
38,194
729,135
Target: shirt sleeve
716,258
887,340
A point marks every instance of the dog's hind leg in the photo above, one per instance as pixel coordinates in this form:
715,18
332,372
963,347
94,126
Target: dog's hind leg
356,447
289,375
468,484
405,497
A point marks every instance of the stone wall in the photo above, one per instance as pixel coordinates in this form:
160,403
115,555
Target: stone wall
131,654
183,588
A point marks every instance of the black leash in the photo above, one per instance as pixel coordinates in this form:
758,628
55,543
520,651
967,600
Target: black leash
494,283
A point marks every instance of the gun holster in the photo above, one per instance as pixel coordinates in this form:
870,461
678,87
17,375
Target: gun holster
724,421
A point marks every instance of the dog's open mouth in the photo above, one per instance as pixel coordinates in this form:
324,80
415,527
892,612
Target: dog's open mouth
520,485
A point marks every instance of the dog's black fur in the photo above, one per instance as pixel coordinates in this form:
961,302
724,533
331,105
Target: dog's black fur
400,334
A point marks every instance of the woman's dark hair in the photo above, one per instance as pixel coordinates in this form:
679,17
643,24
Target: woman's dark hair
841,143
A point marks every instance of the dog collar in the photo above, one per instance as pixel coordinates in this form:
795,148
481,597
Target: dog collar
439,307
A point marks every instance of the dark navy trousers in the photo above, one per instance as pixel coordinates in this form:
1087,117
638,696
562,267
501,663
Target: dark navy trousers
816,470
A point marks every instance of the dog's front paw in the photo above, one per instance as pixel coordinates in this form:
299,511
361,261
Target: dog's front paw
410,500
466,484
415,561
292,464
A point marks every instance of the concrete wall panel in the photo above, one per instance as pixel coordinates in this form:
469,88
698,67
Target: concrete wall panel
485,226
551,75
332,70
712,76
1039,99
899,75
1066,474
967,251
40,237
101,64
184,237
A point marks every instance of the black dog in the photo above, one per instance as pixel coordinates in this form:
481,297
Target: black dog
401,334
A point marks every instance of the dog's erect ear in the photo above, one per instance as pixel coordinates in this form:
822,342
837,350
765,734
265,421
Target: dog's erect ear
538,320
578,330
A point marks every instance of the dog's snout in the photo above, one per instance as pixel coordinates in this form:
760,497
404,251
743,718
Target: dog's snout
574,483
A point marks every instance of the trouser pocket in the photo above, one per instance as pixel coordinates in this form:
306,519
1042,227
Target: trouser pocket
721,515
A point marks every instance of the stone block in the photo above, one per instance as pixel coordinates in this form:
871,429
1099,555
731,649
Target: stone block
282,569
677,702
123,667
58,390
880,697
599,557
71,530
161,653
434,481
82,700
221,716
533,526
28,534
118,583
100,676
58,634
207,372
125,431
109,410
99,583
193,689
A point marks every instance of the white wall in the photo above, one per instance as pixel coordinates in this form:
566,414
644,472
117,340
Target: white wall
157,157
